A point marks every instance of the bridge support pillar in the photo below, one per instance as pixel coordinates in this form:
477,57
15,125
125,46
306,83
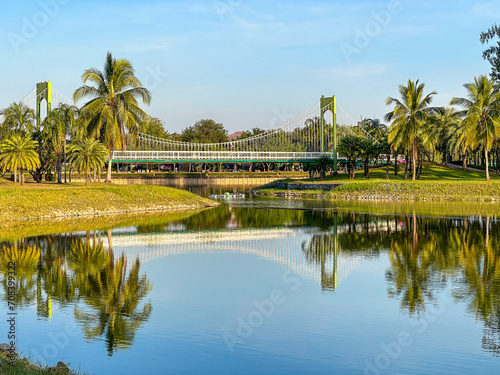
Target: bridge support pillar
43,91
329,104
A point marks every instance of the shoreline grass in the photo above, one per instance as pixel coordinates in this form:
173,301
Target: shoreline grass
49,200
26,366
437,184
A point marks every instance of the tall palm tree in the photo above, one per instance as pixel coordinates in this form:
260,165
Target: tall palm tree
57,126
349,147
18,118
86,155
374,127
410,118
482,115
18,153
113,107
446,124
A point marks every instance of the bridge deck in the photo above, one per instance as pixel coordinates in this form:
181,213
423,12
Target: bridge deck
218,156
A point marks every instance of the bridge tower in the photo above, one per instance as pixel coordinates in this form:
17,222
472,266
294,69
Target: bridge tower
329,104
43,91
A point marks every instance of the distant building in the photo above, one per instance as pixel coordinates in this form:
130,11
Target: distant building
234,136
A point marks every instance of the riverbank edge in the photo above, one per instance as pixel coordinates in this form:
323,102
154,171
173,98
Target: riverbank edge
26,366
21,204
466,191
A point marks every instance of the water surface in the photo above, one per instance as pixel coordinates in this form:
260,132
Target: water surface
301,287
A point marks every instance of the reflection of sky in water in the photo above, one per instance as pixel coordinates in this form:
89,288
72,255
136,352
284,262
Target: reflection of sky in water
204,284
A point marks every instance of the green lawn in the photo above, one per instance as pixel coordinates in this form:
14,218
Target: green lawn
437,183
33,201
429,173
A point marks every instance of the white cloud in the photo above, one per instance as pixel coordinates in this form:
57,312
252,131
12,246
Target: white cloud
487,9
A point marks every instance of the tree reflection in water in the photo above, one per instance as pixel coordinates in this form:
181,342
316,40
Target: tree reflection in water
426,256
70,269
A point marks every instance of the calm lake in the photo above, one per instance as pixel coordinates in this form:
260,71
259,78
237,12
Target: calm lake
266,286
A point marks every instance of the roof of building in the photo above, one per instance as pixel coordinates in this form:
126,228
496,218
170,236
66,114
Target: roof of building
234,136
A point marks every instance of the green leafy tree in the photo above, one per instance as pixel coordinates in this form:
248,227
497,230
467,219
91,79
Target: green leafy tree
410,118
384,148
205,131
367,151
46,152
492,53
349,147
18,119
446,123
18,154
113,109
87,155
155,127
481,124
58,125
375,128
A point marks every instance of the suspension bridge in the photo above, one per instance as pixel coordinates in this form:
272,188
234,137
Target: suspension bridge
310,136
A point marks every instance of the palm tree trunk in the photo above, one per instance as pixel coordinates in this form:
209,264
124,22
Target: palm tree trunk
65,164
414,160
464,162
387,166
395,164
420,166
87,178
487,164
59,169
497,169
406,167
110,164
21,176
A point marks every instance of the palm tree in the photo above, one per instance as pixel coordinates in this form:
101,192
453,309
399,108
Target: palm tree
481,125
368,150
57,125
113,108
18,118
374,127
86,155
447,123
69,116
410,118
19,153
349,147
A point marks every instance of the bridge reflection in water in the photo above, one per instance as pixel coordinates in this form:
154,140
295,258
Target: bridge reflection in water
308,252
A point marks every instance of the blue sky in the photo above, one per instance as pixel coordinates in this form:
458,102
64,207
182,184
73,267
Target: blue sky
248,63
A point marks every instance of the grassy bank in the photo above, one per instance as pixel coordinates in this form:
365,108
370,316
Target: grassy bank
437,184
35,201
23,366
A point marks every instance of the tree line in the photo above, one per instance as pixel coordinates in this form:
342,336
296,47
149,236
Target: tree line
112,118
